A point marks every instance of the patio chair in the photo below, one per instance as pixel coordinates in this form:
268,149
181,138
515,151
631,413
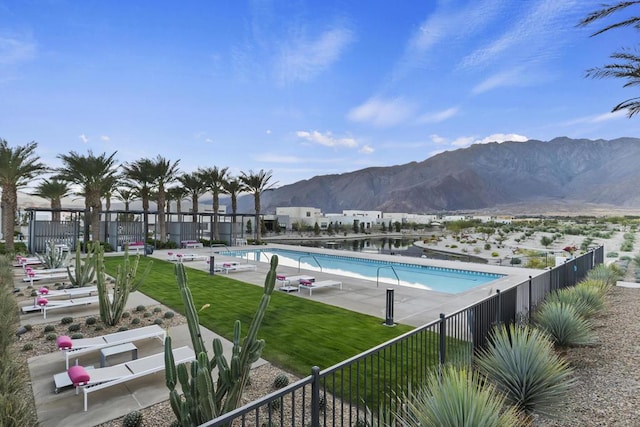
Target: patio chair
237,268
44,305
74,348
101,378
52,293
290,283
307,284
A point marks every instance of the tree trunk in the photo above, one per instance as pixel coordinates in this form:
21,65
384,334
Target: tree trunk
95,205
56,204
256,200
10,205
194,207
216,206
162,223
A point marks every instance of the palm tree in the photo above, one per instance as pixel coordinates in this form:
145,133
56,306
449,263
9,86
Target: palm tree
194,184
18,166
53,190
177,194
93,174
140,176
214,180
126,196
165,173
629,66
257,183
233,187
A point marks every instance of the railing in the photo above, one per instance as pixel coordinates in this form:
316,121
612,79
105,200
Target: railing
309,256
351,392
378,274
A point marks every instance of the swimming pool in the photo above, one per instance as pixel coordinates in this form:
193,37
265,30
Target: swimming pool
440,279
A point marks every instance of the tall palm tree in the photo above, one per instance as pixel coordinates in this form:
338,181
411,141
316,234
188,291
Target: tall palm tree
177,194
257,183
233,187
53,190
628,67
194,184
214,180
18,166
126,196
140,177
93,174
165,173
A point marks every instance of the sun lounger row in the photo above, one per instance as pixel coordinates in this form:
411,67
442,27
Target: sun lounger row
34,276
47,293
180,257
233,268
97,379
77,347
24,261
44,304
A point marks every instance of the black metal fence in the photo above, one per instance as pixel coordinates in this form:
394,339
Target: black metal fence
353,392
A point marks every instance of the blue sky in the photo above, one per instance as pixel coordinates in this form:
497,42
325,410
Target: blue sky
302,88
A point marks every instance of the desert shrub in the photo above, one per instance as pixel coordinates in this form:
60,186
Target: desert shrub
27,347
495,254
66,320
274,405
157,310
135,321
563,324
453,246
158,321
132,419
51,337
49,328
126,315
457,394
515,261
612,254
91,321
609,275
123,328
521,363
98,328
487,246
28,327
77,336
169,315
140,308
34,293
476,250
74,328
146,314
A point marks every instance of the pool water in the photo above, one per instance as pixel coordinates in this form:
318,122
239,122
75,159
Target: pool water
440,279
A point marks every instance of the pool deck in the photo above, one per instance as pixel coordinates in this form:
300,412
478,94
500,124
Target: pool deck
412,306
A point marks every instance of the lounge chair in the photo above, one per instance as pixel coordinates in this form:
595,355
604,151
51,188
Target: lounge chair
24,261
33,276
100,378
226,269
78,347
52,293
290,283
27,269
43,304
307,284
180,257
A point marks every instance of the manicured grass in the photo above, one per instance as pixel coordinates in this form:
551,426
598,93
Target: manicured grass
299,333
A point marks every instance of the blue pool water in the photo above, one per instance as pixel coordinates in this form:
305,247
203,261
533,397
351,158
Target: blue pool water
434,278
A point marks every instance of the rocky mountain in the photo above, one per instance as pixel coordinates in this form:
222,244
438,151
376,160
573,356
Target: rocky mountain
482,176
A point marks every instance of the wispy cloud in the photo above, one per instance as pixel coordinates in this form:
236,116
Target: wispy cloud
14,51
105,138
83,138
327,139
439,116
366,149
598,118
277,158
465,141
382,112
302,58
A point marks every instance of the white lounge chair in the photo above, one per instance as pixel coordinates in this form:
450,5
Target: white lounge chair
306,284
46,270
74,348
24,261
237,268
44,305
100,378
180,257
34,276
290,283
52,293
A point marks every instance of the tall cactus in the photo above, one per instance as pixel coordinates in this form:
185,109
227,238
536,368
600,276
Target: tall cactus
53,258
84,271
202,399
112,306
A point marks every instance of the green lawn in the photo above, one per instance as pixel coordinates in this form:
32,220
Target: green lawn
299,333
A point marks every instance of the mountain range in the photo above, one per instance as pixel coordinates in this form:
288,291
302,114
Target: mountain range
528,175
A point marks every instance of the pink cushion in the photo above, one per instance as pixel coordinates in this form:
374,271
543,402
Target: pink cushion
31,273
42,301
169,253
78,375
281,277
43,290
306,282
226,264
64,342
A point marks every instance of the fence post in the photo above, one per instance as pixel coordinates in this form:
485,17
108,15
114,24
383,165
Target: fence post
443,340
315,397
498,306
389,312
212,265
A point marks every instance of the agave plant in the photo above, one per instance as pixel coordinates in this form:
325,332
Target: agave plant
54,257
585,300
607,274
564,324
522,364
458,398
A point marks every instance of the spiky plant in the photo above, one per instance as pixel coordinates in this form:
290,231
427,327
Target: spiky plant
53,258
597,285
522,364
203,399
564,324
592,295
578,298
132,419
457,398
84,271
607,274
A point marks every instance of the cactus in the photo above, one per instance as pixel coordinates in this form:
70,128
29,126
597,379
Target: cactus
202,399
280,381
85,269
53,258
112,306
132,419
